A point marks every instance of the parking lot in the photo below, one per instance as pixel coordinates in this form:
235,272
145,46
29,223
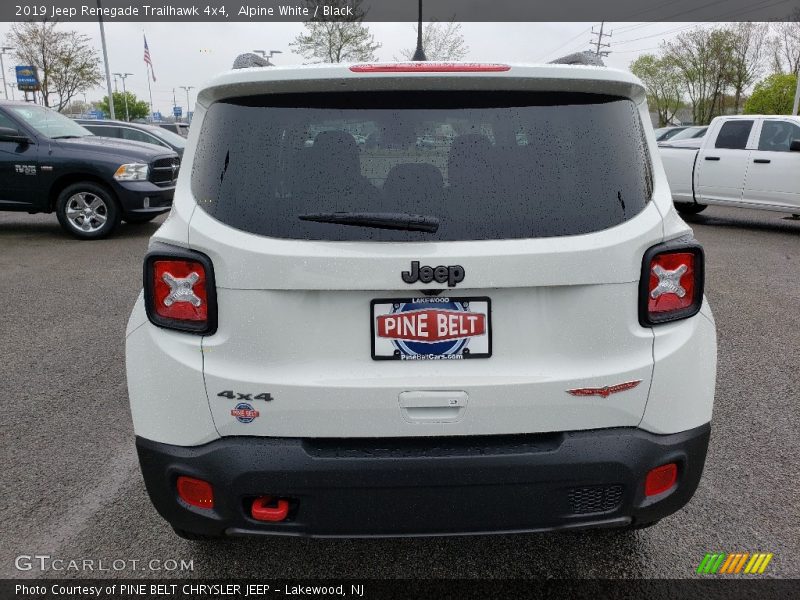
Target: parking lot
73,489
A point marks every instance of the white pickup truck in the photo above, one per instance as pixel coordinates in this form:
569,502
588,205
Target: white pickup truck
746,161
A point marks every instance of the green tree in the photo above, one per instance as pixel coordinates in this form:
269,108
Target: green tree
786,45
664,85
336,39
706,61
749,49
137,109
66,62
441,41
772,96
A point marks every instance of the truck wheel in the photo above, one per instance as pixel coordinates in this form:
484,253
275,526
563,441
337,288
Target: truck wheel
690,208
139,219
87,210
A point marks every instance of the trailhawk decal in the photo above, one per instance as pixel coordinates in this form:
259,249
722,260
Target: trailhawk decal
431,328
605,392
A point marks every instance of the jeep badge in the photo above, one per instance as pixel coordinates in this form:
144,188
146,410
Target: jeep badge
452,274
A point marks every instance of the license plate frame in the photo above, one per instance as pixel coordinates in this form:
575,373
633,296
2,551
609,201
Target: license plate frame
458,348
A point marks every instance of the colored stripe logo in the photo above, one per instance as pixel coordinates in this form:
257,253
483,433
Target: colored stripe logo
734,564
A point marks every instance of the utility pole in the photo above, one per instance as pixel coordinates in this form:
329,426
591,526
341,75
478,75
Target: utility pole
11,87
105,61
598,43
187,88
263,54
124,76
4,50
797,96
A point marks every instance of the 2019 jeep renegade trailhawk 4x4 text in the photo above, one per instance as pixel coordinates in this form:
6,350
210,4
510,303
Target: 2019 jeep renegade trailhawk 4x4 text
346,332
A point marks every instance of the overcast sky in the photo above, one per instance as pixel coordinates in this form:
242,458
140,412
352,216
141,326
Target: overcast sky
189,54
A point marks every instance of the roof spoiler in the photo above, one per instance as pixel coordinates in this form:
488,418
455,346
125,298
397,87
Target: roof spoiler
249,59
587,57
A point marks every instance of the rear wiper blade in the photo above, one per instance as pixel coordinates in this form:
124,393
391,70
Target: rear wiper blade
378,220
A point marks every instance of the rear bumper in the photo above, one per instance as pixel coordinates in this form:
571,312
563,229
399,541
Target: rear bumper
429,486
132,195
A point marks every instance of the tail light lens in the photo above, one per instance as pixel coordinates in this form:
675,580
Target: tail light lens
671,285
179,290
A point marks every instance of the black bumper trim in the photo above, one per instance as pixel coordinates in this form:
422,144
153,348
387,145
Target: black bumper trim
425,486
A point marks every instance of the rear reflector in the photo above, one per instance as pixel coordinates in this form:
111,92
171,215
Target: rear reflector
196,492
671,286
429,67
660,479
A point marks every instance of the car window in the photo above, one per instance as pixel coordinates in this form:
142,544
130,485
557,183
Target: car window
487,165
104,130
140,136
777,136
169,137
700,132
688,133
6,122
733,135
48,122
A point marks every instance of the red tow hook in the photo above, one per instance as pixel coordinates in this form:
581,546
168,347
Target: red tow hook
266,509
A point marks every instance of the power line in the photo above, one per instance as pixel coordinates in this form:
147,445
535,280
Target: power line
737,12
569,41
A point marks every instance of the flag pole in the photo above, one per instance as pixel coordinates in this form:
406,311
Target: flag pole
149,91
149,62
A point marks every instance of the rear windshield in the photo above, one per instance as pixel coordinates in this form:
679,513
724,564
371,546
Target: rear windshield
482,165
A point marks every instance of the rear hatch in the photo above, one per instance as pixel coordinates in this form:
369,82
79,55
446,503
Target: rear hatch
457,259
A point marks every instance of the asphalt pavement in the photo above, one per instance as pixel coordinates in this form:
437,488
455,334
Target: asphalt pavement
73,491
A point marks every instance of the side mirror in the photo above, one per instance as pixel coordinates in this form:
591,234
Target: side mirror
7,134
794,146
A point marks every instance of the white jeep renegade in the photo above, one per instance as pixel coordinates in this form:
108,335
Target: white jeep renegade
421,298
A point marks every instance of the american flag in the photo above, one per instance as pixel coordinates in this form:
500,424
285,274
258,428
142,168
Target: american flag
147,58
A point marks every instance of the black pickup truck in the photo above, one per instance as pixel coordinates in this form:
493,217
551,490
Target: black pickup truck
49,163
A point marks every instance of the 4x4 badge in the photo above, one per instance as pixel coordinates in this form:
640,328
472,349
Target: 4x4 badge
452,274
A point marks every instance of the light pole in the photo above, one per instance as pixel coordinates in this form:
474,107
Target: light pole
272,53
124,76
11,87
105,61
797,96
187,88
4,50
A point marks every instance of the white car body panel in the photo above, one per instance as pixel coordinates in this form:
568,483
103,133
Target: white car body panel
294,314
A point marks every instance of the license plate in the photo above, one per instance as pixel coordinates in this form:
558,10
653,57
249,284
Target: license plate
431,328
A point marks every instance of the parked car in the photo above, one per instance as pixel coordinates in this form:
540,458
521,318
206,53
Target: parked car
665,133
49,163
182,129
480,336
137,132
745,161
690,133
